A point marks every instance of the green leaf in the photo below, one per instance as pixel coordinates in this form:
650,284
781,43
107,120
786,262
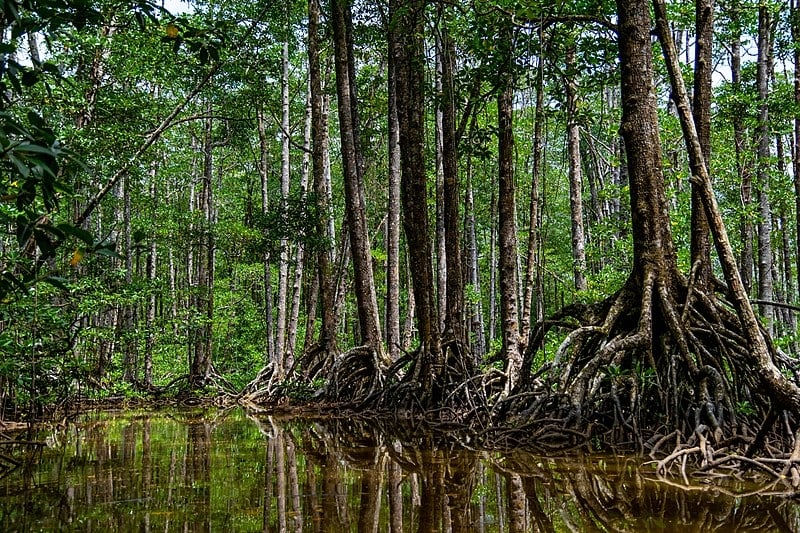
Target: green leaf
79,233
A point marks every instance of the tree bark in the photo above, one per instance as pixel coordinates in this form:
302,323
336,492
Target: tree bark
531,279
201,361
575,176
353,185
454,310
263,171
300,249
506,210
795,23
746,261
701,110
319,149
406,38
765,286
283,266
393,338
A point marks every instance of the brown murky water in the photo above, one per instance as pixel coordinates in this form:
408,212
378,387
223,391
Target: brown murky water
224,471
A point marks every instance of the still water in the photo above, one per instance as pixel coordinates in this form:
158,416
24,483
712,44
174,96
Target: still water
182,470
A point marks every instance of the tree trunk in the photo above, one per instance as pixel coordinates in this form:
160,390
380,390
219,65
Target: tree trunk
765,289
454,310
531,277
746,261
441,241
201,360
477,325
795,22
701,110
575,175
129,362
406,44
319,150
263,171
353,185
300,250
506,210
393,339
152,300
283,268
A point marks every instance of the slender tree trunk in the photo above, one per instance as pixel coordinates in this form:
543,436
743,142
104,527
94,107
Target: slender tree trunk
406,43
319,147
264,175
795,22
575,176
493,267
441,241
393,339
701,110
129,362
746,262
152,300
283,269
201,361
477,325
533,210
506,210
765,288
300,250
353,184
454,310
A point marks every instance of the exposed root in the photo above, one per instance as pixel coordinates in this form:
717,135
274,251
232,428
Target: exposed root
660,353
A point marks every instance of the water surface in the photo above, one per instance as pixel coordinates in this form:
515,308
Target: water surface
191,470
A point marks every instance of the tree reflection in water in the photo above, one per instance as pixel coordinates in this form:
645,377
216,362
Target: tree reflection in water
195,471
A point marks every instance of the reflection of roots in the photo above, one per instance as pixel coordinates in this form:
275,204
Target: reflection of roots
641,362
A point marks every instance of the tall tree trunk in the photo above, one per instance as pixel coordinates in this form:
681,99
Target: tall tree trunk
319,149
477,325
300,250
575,175
201,360
765,288
454,310
263,171
506,210
283,268
353,182
393,339
531,278
701,110
746,261
152,300
795,22
129,362
406,43
441,241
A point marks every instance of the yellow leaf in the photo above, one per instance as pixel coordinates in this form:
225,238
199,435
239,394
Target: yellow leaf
172,31
76,258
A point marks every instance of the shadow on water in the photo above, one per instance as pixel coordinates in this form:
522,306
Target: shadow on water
225,471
